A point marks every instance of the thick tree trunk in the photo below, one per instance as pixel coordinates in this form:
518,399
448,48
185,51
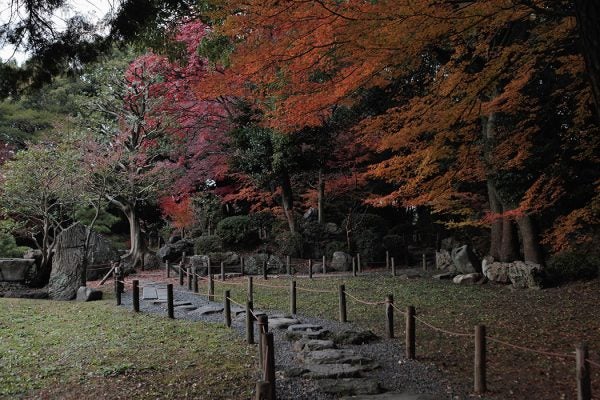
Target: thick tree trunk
287,201
320,196
496,208
509,251
588,17
137,249
532,250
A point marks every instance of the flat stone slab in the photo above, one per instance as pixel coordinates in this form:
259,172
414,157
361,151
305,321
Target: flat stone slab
237,310
161,293
149,293
312,345
350,386
186,308
354,337
334,356
332,371
181,303
206,310
391,396
301,328
282,323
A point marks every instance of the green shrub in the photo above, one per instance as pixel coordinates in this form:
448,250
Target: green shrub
208,244
9,248
394,244
572,266
290,244
236,231
369,244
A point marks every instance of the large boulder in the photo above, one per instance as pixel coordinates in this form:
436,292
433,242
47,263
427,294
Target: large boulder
174,251
341,261
253,264
67,266
16,269
465,261
495,271
443,261
101,254
525,275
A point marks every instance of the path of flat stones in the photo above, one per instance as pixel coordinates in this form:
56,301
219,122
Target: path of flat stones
315,358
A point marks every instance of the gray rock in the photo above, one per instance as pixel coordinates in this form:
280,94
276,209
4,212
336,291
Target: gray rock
312,345
341,261
311,214
254,264
16,269
185,308
349,386
443,261
525,275
334,356
449,243
149,293
495,271
465,260
467,279
206,310
330,227
88,294
101,254
354,337
333,371
302,328
34,254
444,276
174,251
282,323
66,276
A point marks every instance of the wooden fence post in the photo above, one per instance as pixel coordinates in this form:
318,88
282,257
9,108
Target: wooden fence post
188,270
410,333
358,265
293,297
480,360
227,305
242,266
269,360
424,262
288,264
387,259
584,386
393,266
222,271
263,390
170,311
353,266
324,265
250,289
168,267
249,323
118,290
142,262
310,268
195,274
180,275
136,295
211,288
342,296
389,315
264,270
262,324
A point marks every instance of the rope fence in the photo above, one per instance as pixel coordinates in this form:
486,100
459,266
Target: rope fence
479,336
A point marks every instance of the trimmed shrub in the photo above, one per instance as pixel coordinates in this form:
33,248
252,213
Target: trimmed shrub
9,248
208,244
236,230
369,244
572,266
290,244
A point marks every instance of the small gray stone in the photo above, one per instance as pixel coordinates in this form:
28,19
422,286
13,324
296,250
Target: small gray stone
467,279
282,323
87,294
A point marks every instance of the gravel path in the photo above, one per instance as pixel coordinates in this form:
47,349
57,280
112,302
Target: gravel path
396,373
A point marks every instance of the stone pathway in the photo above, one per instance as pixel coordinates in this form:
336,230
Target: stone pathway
315,358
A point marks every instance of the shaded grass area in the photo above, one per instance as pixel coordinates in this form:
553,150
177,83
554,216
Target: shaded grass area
552,320
72,350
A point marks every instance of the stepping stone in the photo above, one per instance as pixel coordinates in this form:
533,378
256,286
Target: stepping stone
391,396
161,293
354,337
350,386
186,308
336,356
332,371
282,323
237,310
149,293
312,344
302,328
181,303
207,310
158,302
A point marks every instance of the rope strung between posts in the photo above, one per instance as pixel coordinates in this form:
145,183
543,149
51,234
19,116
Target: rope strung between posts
314,290
369,303
242,306
545,353
397,309
270,286
435,328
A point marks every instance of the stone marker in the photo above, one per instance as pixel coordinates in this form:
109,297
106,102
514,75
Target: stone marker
88,294
149,293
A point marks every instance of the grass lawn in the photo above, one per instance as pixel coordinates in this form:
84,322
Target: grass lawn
69,350
553,319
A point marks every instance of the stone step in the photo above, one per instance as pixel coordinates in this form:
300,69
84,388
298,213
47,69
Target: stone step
312,344
207,310
349,386
186,308
332,371
302,328
282,323
335,356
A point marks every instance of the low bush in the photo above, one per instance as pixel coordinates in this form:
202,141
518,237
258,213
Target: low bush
290,244
9,248
208,244
236,231
572,266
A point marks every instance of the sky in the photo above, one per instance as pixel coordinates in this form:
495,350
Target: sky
94,10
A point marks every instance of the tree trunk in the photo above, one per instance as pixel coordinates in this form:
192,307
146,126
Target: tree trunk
320,196
496,208
509,251
531,246
588,17
287,201
137,249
